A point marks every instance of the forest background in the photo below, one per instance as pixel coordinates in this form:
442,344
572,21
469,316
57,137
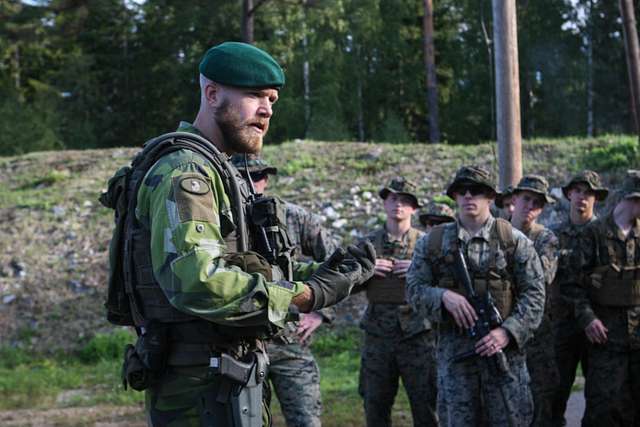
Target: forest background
106,73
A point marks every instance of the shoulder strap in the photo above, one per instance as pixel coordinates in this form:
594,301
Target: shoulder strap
412,239
434,245
536,229
504,229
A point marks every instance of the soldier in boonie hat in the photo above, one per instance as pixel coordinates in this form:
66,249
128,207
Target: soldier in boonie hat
256,168
399,185
504,196
471,176
592,180
631,185
536,184
436,213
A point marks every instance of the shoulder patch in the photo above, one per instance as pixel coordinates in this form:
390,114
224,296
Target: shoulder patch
194,198
194,185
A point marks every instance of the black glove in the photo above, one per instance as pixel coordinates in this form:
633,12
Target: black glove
333,280
365,255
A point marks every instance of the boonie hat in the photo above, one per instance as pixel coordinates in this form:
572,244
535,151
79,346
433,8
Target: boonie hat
536,184
631,184
437,212
592,179
399,185
471,175
507,192
254,164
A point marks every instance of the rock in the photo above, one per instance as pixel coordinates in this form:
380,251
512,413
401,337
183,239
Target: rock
19,268
77,287
8,299
367,195
87,204
340,223
330,213
373,154
59,210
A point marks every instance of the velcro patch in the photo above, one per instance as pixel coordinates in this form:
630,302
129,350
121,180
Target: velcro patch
194,198
194,185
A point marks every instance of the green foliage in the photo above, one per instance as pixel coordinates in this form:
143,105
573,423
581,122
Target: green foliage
615,155
106,346
300,162
440,198
393,130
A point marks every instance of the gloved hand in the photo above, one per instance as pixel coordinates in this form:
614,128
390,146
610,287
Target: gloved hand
365,255
333,280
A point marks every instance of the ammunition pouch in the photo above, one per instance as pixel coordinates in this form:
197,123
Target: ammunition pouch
134,374
615,286
145,361
388,290
250,262
497,285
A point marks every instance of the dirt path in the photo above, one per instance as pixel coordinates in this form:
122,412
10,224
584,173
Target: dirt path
96,416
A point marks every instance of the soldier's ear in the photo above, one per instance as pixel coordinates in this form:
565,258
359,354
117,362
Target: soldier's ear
212,93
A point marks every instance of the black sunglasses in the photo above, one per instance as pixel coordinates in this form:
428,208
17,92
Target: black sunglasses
474,189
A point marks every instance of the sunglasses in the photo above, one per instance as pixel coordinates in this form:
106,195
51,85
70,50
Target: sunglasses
258,176
474,190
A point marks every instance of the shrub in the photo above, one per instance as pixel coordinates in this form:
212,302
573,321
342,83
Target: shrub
106,346
616,155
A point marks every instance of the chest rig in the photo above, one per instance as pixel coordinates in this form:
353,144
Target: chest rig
391,289
134,297
498,281
615,281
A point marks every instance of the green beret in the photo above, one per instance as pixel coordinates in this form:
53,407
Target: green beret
241,65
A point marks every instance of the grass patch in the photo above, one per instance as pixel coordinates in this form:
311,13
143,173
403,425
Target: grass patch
615,155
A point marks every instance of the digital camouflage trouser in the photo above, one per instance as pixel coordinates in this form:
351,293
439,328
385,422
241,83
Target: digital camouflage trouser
295,378
384,362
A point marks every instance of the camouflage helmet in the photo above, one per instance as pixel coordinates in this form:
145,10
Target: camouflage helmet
471,175
592,180
507,192
436,212
631,184
399,185
255,164
535,184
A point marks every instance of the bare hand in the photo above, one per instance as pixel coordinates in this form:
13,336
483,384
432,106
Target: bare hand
400,268
383,267
596,332
308,323
462,312
493,342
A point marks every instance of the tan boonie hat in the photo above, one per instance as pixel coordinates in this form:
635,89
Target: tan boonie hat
590,178
255,164
507,192
471,175
536,184
631,184
399,185
437,212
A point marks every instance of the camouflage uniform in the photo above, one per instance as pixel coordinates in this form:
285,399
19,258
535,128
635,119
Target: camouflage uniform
467,394
293,370
187,248
540,355
611,261
570,342
398,344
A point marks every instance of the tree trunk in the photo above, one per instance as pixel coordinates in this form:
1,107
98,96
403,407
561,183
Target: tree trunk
507,92
633,55
305,71
247,21
430,70
589,42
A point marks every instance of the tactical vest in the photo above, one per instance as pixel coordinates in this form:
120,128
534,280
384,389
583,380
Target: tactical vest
390,289
134,296
499,282
613,282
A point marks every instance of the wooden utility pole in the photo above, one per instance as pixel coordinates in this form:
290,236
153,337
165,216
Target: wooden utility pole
505,38
633,56
247,21
430,69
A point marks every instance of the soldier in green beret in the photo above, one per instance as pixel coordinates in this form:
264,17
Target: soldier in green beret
436,213
530,197
208,271
398,343
583,191
607,308
289,353
502,263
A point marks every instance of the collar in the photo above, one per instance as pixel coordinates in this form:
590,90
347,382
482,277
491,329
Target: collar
484,233
389,238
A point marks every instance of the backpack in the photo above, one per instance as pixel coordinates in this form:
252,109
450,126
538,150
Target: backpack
121,303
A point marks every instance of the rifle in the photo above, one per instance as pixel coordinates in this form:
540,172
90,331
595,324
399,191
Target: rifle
488,319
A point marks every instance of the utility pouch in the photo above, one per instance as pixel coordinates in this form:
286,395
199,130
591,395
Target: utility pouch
152,346
250,262
134,374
